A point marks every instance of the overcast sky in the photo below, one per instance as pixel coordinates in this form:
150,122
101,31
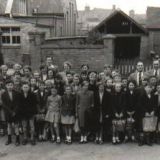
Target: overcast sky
138,5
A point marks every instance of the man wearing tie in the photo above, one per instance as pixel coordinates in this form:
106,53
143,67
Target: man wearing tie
156,70
139,74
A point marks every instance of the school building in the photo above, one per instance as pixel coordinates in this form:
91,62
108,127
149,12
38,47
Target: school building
117,40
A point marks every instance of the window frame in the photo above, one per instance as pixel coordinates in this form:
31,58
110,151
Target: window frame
11,33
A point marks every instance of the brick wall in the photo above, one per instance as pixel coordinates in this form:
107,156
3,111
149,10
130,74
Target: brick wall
15,53
93,56
75,50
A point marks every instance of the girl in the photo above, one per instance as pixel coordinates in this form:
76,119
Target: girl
118,106
50,75
53,114
131,101
84,101
68,113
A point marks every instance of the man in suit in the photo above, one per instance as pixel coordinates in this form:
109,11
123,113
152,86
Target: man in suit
10,100
156,70
139,74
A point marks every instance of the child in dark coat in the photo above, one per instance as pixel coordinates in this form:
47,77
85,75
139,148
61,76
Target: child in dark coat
131,101
149,108
10,101
118,111
27,111
41,96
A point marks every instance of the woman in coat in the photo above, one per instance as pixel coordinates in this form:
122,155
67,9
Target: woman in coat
84,101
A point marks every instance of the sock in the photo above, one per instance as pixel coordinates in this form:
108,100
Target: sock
82,138
85,138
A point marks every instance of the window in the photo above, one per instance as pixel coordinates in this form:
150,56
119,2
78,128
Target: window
22,7
11,35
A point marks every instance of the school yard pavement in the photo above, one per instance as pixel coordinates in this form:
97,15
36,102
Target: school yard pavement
90,151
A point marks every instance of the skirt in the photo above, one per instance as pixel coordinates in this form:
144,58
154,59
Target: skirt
52,117
67,119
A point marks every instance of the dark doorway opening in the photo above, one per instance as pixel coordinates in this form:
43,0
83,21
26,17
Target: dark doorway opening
127,48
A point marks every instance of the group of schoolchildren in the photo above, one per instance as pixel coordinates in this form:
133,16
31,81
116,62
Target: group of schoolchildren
58,105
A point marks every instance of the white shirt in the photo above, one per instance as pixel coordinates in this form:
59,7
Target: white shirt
41,94
157,72
101,97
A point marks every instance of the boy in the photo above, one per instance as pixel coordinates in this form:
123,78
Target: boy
10,105
27,111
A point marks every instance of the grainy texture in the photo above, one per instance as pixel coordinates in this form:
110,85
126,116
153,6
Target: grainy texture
48,151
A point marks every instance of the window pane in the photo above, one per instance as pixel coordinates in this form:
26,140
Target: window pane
5,40
5,29
15,29
16,40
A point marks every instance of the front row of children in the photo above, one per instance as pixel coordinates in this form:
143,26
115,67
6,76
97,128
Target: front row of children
127,114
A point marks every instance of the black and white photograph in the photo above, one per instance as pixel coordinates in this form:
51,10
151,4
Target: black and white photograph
79,80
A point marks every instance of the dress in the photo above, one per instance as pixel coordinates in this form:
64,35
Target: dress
84,102
53,112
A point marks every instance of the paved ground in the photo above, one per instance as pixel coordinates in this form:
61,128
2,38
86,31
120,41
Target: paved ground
90,151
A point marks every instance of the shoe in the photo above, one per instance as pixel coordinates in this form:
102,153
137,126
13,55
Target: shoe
96,141
114,141
58,141
24,142
85,140
81,141
69,141
53,139
100,142
17,143
33,142
66,141
9,141
148,141
117,140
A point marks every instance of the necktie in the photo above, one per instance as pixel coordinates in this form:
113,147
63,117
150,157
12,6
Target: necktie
156,73
140,78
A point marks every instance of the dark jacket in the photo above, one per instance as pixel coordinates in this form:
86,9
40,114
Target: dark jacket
131,101
148,104
105,106
118,103
41,101
157,105
10,106
68,105
27,106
